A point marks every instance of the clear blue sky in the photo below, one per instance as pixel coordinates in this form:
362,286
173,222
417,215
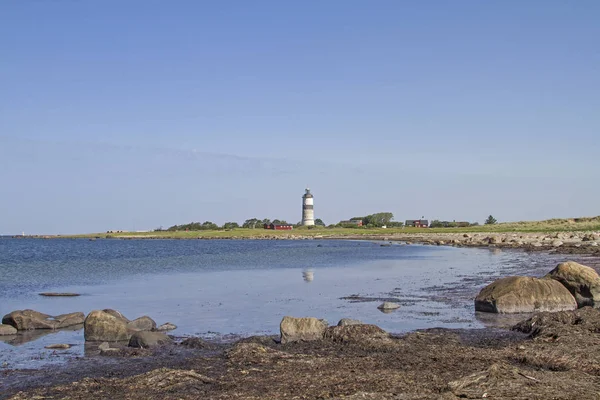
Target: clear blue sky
135,114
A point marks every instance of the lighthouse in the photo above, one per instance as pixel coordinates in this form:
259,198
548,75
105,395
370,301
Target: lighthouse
308,212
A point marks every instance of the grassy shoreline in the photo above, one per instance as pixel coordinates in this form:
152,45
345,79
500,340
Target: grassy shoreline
554,225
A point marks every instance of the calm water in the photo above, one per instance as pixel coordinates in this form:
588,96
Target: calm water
216,288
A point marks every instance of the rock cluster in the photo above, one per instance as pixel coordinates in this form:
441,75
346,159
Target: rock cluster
24,320
569,286
112,326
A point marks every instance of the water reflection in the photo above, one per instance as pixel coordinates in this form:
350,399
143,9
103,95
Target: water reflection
23,337
504,321
308,275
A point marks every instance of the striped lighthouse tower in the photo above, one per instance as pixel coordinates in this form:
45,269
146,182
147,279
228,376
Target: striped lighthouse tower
308,212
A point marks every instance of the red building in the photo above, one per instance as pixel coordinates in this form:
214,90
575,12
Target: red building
417,223
278,227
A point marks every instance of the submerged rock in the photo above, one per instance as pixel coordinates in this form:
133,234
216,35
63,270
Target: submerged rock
166,327
583,282
388,306
520,294
146,339
53,294
301,329
29,319
61,346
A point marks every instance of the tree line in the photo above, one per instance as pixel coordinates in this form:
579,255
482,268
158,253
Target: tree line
376,220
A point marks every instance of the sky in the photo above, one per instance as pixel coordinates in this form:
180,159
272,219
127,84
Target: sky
138,114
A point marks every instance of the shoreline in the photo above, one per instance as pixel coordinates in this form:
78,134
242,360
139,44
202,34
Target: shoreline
558,360
562,242
427,363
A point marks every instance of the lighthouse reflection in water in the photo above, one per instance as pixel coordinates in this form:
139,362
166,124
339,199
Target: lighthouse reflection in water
308,275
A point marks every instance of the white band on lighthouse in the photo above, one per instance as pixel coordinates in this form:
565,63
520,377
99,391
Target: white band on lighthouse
308,212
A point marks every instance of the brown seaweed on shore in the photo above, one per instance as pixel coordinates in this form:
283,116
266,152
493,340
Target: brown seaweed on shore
556,359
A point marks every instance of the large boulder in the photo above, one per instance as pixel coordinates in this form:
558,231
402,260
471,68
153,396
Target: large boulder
583,282
7,330
520,294
103,326
146,339
116,314
24,320
301,329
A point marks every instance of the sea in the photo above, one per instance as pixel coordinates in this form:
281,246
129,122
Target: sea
226,289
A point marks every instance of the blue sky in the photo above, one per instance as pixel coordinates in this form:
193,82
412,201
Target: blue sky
132,115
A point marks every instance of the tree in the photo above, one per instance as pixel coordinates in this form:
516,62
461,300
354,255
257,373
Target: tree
230,225
251,223
378,219
490,220
319,222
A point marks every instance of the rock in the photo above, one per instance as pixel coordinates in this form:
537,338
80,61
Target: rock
348,321
103,346
355,333
52,294
557,243
145,339
301,329
583,282
104,326
520,294
29,319
388,305
7,330
58,346
166,327
144,323
493,240
116,314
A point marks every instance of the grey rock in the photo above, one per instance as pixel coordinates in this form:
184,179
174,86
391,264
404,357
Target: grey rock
145,339
583,282
7,330
388,305
29,319
301,329
520,294
103,346
348,321
144,323
103,326
355,333
58,346
166,327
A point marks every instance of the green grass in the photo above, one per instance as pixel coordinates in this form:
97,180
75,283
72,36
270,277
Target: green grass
552,225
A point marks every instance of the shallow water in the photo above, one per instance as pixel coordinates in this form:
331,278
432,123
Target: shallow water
216,288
